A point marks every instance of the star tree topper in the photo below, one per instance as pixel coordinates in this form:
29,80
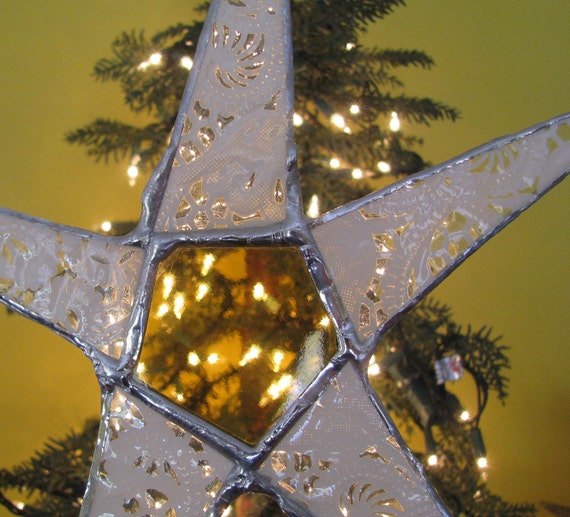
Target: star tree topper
229,178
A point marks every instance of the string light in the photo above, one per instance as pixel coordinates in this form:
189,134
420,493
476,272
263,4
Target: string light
106,226
464,416
313,210
384,167
334,163
482,463
201,291
338,120
355,109
155,58
394,122
297,120
193,359
186,62
259,291
349,46
179,305
213,358
357,174
432,460
373,366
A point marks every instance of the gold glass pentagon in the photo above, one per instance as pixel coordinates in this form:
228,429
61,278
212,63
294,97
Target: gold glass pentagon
234,335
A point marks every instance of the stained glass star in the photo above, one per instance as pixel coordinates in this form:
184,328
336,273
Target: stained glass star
228,185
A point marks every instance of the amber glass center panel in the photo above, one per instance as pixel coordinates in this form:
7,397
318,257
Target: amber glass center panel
235,335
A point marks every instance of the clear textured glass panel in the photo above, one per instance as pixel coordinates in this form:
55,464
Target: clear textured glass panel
392,246
147,465
341,458
235,335
236,134
83,284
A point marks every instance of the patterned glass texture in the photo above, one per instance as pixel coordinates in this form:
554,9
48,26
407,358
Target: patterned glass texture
235,335
391,247
147,465
230,168
82,284
341,458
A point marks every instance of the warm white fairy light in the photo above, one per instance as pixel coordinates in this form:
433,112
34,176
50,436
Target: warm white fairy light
259,291
338,120
167,285
394,122
464,416
482,463
384,167
155,58
347,130
373,366
349,46
207,264
213,358
193,359
132,171
355,109
334,163
186,62
179,305
432,460
314,209
162,310
297,120
253,353
357,174
106,226
202,291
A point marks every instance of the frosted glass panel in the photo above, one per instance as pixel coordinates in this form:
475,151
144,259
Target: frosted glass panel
230,168
83,284
147,465
341,458
389,248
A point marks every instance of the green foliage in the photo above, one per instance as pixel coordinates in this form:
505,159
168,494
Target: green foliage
53,480
329,78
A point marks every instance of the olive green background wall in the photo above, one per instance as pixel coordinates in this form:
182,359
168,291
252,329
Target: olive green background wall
504,63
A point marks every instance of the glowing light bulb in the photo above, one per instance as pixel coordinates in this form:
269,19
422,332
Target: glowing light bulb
132,171
394,122
180,397
338,120
297,120
207,264
325,321
334,163
259,291
186,62
432,460
213,358
179,305
384,167
278,357
357,174
313,210
355,109
253,353
349,46
482,462
167,285
374,369
162,310
106,226
464,416
155,58
193,359
202,291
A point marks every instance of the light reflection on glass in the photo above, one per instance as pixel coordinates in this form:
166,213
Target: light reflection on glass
234,335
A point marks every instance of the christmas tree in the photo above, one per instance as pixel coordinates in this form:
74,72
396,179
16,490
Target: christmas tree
349,106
